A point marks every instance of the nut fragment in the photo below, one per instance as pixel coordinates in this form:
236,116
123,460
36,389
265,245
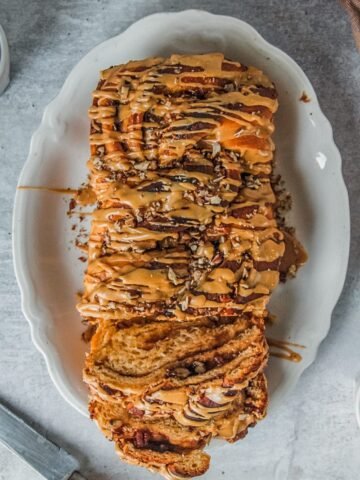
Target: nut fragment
229,87
142,166
184,304
197,275
233,155
124,93
252,182
98,163
173,278
199,367
217,259
245,274
216,148
180,372
292,271
215,200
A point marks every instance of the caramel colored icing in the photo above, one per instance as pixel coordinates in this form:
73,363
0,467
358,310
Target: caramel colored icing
181,156
66,191
284,350
85,196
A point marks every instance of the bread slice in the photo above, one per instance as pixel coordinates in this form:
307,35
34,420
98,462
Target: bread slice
140,360
162,446
170,448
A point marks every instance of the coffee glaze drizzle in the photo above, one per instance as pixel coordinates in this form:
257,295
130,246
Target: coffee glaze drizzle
181,156
66,191
284,350
81,196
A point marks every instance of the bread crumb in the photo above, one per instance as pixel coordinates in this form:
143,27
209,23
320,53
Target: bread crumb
305,98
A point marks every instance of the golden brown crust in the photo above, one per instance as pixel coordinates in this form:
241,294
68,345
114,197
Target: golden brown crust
184,252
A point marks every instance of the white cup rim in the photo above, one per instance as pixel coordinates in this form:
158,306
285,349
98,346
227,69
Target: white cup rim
4,61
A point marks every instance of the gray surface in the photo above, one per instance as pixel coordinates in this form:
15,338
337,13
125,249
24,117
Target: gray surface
315,435
51,461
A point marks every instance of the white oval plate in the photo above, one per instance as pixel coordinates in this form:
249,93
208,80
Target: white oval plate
46,264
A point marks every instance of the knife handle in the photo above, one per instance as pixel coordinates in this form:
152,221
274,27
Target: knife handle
77,476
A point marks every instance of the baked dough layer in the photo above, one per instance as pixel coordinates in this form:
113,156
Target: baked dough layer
184,252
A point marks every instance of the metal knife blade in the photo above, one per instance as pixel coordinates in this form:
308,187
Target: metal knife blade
51,461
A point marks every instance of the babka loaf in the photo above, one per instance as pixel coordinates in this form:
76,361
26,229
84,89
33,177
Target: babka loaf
183,254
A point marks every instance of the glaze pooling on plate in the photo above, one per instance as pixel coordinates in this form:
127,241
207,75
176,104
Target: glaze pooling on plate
49,274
